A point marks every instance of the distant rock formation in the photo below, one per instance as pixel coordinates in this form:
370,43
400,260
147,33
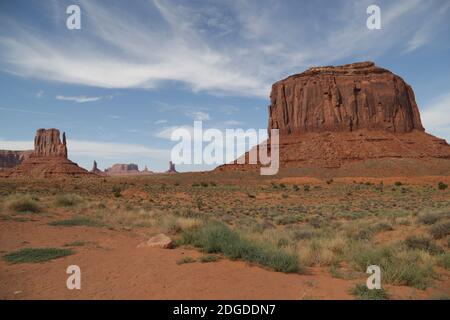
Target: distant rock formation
122,169
96,170
10,158
329,117
49,158
171,168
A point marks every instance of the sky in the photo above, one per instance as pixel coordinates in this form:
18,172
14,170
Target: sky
136,70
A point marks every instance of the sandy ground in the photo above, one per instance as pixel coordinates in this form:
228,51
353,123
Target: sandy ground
112,267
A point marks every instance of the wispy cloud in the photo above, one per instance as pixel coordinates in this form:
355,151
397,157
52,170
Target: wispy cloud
78,99
161,121
26,111
40,94
96,149
198,115
233,47
435,116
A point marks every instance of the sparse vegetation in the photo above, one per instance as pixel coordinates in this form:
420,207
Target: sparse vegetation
442,186
34,255
360,291
76,222
68,200
215,237
185,260
24,204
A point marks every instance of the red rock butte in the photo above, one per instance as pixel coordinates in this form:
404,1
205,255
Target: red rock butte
49,158
330,117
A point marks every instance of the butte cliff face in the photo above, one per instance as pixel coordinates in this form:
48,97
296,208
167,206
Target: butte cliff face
344,98
352,115
49,158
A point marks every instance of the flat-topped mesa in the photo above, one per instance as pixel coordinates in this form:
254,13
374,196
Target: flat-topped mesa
47,143
343,98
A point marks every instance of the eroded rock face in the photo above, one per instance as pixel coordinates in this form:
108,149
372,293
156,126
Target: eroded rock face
9,158
357,115
171,168
343,98
122,169
47,143
49,158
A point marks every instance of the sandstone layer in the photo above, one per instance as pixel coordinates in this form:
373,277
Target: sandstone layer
328,117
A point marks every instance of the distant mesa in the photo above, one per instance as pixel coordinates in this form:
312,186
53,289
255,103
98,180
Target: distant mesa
122,169
48,159
171,168
10,158
335,116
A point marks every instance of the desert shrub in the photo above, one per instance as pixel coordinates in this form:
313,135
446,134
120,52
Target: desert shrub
444,260
76,222
24,204
360,291
215,237
204,184
195,184
68,200
398,183
306,187
316,221
34,255
330,181
295,187
440,230
209,258
424,244
185,260
398,266
303,234
429,217
442,186
322,252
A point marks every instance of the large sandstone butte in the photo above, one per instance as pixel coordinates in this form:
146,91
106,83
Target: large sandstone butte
333,117
49,158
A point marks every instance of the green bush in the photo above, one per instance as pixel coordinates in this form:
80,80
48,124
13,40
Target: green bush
398,266
34,255
185,260
424,244
442,186
24,204
217,238
429,217
440,230
363,293
209,258
68,200
75,222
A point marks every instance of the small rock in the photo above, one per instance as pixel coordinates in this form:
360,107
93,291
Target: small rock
160,240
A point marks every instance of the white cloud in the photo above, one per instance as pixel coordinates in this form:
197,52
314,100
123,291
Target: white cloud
78,99
198,115
40,94
161,121
95,149
234,47
436,116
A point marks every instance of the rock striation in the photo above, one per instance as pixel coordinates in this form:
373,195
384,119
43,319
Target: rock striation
331,117
48,159
343,98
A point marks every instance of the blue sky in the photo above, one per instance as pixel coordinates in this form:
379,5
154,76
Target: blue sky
138,69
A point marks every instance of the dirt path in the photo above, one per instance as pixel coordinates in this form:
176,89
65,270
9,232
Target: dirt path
112,267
